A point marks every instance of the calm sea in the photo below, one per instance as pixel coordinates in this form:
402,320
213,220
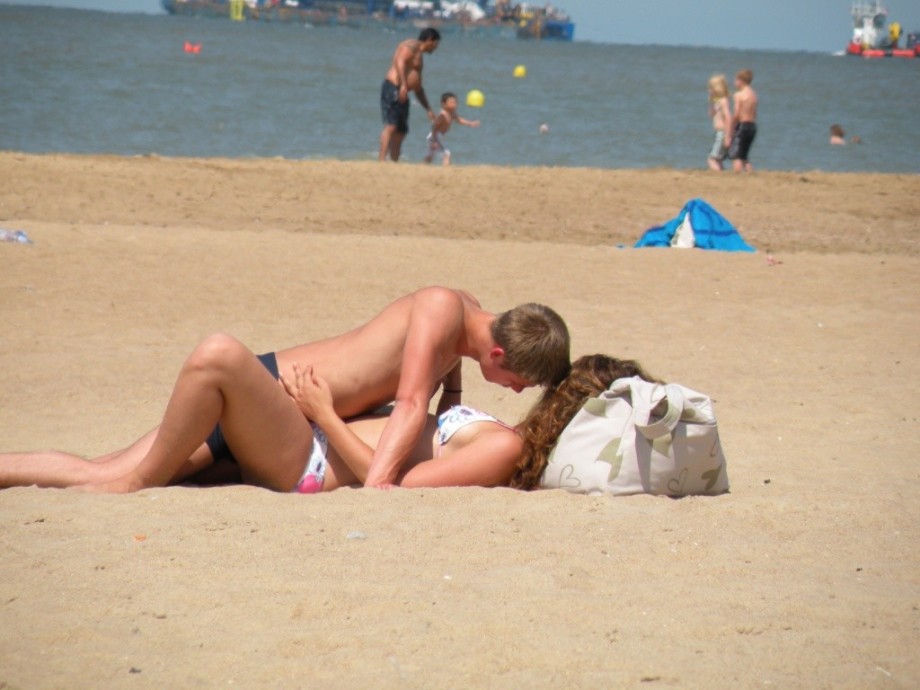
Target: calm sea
96,82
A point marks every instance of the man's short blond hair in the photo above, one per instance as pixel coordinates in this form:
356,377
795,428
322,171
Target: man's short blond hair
536,343
746,76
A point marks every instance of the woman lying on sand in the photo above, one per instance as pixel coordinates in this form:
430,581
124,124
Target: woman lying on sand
460,446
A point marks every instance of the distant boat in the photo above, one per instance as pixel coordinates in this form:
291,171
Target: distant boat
872,39
522,20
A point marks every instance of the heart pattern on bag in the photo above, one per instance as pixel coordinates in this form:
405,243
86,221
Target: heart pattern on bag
568,473
676,484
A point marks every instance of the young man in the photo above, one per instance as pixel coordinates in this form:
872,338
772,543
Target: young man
404,75
402,355
743,126
441,126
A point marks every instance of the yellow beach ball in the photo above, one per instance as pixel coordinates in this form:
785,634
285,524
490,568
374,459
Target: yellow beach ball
475,99
520,72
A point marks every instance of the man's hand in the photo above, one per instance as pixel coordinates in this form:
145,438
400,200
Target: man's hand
375,479
403,93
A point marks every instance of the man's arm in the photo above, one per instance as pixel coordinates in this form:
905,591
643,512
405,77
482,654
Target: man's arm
732,117
423,99
451,390
403,53
434,327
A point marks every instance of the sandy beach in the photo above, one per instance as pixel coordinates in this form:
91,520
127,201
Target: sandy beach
806,575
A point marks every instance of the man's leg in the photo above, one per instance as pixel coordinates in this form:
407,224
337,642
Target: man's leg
396,145
386,139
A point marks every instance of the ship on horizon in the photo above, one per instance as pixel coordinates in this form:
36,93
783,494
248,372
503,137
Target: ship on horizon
504,18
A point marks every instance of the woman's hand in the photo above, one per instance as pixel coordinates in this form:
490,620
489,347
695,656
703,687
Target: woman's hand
310,392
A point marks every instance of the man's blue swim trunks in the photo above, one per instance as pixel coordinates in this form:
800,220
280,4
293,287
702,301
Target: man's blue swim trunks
394,111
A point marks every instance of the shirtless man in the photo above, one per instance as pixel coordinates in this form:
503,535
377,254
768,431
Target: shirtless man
402,355
404,75
743,126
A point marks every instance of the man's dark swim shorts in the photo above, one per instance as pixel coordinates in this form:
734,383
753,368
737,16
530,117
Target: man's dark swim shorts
216,442
742,138
394,111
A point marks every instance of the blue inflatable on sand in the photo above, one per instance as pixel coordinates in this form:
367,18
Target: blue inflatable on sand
710,230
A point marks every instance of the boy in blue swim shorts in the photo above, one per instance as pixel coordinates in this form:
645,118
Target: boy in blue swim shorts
740,135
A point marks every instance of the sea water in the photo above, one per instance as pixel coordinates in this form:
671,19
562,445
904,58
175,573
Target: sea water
97,82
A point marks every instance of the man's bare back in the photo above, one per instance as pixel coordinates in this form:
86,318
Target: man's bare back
363,366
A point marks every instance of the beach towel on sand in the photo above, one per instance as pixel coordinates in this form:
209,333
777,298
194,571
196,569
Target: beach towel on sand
699,221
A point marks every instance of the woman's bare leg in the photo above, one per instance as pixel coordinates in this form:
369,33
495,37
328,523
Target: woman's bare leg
54,468
222,381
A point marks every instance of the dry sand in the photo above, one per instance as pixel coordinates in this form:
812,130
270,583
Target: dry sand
806,575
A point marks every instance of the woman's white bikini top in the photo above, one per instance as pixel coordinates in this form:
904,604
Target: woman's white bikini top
460,416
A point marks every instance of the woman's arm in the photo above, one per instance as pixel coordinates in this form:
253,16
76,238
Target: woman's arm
312,395
730,126
489,460
726,113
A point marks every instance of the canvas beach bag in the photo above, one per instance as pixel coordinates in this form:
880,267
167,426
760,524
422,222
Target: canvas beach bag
640,437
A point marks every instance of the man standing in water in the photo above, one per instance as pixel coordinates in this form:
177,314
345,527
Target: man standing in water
404,75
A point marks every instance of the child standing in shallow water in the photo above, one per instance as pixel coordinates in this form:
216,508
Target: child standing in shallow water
441,125
721,115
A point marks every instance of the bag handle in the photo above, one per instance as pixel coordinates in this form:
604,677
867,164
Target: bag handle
645,397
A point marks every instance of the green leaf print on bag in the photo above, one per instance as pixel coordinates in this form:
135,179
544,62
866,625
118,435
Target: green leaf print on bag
595,407
662,444
711,477
612,456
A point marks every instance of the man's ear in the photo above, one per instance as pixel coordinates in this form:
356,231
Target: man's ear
497,354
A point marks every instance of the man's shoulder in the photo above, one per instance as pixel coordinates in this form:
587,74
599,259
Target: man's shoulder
442,304
439,297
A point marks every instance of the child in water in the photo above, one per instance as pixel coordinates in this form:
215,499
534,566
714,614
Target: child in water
721,115
441,125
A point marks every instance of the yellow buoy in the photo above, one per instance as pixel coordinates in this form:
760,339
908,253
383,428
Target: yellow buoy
475,99
520,72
